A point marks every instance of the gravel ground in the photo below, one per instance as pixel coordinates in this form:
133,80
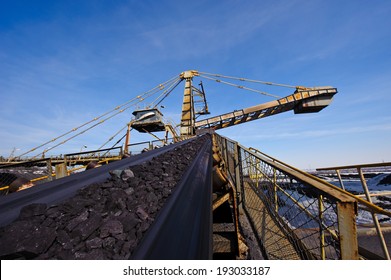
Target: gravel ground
104,220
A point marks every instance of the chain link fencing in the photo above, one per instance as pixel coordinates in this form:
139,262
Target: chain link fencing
292,215
18,176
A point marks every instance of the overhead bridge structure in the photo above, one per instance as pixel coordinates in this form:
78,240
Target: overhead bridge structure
302,101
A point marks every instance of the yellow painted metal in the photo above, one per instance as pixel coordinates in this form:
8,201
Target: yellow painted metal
4,188
219,178
312,180
235,214
301,239
187,129
220,200
332,232
368,196
188,116
383,193
170,129
374,217
50,169
370,206
189,74
127,139
340,179
275,187
321,233
347,230
278,188
61,170
267,109
379,164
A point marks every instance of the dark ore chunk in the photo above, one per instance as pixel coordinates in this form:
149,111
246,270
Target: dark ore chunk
84,230
35,209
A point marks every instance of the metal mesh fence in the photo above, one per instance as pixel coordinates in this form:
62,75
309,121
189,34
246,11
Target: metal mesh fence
371,183
140,147
291,219
82,159
19,176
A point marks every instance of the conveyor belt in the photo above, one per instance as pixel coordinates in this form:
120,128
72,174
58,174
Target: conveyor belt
183,228
58,190
171,235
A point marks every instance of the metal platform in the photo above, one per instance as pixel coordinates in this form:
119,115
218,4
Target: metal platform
148,120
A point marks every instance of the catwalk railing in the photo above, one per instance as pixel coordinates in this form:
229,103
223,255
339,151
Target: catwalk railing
373,237
18,175
293,215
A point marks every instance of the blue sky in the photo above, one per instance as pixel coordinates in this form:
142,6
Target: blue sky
65,62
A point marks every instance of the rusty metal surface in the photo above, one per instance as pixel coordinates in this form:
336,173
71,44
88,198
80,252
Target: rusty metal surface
347,230
293,214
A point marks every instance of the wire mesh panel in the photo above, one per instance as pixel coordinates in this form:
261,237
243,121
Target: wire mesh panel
370,182
291,218
138,148
19,176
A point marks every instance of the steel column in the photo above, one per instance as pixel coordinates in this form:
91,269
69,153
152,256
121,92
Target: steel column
187,128
374,217
347,230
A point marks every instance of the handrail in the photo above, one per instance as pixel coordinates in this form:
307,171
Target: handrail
371,206
61,189
23,163
93,151
359,168
364,165
293,214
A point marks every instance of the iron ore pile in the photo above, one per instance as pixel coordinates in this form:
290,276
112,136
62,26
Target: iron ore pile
104,220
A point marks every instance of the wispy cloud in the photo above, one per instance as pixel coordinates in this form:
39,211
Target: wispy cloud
220,28
298,130
59,71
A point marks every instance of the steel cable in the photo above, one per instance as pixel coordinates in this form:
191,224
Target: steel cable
239,86
249,80
112,137
168,91
140,98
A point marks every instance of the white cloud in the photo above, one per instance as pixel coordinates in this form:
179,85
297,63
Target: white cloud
295,130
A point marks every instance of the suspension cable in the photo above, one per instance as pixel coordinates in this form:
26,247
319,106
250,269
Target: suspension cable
81,132
116,143
112,137
168,91
239,86
164,92
136,99
249,80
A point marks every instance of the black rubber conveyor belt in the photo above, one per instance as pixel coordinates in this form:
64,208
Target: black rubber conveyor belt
181,229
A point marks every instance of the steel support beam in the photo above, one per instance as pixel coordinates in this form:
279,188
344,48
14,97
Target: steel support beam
187,128
347,230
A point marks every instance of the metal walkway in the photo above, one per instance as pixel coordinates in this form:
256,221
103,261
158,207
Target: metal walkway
294,215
